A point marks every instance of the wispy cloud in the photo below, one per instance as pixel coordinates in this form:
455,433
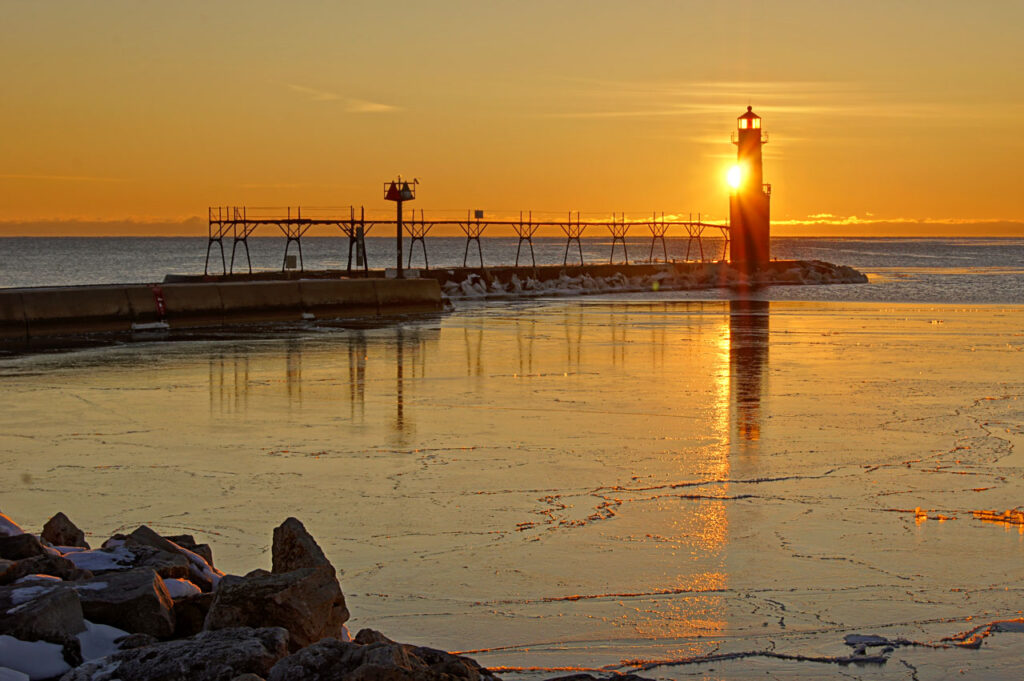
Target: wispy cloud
363,106
830,219
351,105
315,95
271,185
637,99
61,178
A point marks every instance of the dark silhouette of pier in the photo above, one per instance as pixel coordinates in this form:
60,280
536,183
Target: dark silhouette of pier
237,223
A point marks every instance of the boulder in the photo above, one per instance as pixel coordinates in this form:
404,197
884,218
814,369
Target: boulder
8,528
367,636
591,677
187,541
294,548
307,602
165,563
21,546
45,564
190,614
60,531
135,601
248,677
7,567
43,612
147,536
199,570
210,656
333,660
132,641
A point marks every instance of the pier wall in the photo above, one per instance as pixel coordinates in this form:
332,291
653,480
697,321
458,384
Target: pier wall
33,316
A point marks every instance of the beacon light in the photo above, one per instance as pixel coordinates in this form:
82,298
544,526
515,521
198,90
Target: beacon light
735,176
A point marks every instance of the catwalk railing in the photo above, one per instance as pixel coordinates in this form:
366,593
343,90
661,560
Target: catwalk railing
238,223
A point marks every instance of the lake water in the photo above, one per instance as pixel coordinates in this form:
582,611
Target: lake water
965,270
606,482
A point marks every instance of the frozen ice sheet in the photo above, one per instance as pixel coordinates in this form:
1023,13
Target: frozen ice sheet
578,483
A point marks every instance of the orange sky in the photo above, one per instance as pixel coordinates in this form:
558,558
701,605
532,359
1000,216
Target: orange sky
884,117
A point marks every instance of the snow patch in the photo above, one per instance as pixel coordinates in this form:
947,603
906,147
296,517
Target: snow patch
64,550
37,659
94,586
116,558
26,594
37,578
180,588
98,640
8,674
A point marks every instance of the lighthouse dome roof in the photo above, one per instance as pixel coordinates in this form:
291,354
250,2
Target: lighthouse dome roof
750,115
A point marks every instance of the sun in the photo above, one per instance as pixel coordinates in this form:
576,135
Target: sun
735,176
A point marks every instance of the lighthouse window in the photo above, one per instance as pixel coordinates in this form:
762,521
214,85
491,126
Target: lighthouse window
743,124
756,123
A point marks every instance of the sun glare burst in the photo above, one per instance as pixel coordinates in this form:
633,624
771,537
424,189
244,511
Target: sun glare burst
735,176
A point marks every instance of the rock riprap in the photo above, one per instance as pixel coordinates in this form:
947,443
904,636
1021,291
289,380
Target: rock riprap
149,607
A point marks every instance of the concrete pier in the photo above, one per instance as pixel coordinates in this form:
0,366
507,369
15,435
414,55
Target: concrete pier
39,317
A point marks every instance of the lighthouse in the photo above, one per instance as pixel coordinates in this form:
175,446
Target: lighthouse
749,229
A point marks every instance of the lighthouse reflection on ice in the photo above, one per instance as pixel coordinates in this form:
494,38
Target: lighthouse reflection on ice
748,363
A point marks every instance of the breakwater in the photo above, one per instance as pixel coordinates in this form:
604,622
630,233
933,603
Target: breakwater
32,318
513,281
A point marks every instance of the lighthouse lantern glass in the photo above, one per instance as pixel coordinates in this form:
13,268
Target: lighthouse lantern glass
756,123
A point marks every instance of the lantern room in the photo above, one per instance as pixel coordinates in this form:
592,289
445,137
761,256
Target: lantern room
749,120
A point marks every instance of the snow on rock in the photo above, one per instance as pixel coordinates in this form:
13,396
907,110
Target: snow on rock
96,560
36,659
26,594
9,528
8,674
91,586
37,578
710,275
98,640
199,571
181,588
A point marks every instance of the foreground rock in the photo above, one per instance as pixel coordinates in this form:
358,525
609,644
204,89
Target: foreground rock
135,601
60,531
8,528
187,541
307,602
196,567
131,610
210,656
190,614
117,556
46,564
381,659
302,594
50,613
21,546
294,548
